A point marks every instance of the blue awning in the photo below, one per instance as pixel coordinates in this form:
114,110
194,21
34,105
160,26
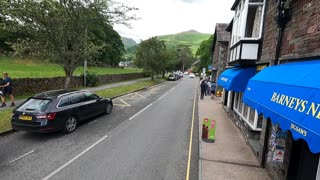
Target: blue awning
236,79
289,94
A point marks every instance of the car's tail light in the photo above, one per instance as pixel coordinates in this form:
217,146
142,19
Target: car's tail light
49,116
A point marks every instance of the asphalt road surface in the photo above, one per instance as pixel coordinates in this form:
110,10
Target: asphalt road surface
146,137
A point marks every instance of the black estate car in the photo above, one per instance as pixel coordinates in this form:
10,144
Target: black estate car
58,110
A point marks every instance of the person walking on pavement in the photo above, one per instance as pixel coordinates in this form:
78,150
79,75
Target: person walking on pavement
7,90
203,89
213,89
209,88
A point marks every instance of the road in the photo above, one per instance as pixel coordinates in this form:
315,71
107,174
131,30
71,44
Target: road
146,137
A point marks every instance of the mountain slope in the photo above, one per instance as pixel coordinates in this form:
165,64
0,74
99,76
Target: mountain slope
190,38
127,42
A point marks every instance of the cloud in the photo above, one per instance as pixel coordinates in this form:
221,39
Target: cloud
174,16
189,1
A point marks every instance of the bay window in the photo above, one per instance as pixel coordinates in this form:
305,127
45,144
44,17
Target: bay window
246,113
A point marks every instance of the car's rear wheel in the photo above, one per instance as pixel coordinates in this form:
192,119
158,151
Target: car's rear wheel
70,125
109,108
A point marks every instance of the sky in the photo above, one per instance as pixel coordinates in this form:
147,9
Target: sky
161,17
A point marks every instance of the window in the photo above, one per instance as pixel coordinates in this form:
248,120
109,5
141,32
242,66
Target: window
35,105
78,98
246,113
247,23
64,102
90,96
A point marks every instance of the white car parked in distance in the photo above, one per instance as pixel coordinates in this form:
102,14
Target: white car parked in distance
191,75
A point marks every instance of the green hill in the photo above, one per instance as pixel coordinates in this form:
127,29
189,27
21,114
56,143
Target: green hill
190,38
127,42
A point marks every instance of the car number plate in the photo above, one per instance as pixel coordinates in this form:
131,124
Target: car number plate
25,118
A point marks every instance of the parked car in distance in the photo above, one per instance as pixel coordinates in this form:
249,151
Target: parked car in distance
172,77
181,74
58,110
186,73
191,75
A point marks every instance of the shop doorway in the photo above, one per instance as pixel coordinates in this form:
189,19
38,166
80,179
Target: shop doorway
225,95
303,163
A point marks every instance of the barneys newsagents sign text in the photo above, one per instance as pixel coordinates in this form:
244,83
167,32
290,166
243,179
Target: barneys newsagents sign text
299,105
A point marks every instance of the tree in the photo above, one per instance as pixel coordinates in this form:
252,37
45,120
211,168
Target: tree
204,53
60,30
113,48
151,56
185,58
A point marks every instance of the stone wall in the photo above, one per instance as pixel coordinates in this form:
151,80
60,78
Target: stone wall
302,34
36,85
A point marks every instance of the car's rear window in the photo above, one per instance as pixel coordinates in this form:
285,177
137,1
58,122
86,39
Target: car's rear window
34,105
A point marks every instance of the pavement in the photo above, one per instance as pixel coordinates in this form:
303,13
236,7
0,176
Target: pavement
92,89
146,137
229,157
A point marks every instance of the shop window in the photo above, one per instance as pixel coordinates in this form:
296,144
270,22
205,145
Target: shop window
251,116
235,106
245,111
240,103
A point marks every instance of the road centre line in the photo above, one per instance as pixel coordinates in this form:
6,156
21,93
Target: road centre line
26,154
163,95
73,159
140,112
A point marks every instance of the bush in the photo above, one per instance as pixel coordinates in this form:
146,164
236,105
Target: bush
92,79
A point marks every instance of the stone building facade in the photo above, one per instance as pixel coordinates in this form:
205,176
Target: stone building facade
249,47
301,38
220,48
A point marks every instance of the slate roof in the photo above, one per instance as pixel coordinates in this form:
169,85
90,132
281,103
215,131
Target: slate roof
222,34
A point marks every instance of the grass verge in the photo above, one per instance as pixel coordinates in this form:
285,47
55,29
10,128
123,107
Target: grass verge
26,68
5,120
5,115
117,91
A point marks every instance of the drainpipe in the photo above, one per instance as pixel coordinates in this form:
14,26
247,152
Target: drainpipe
281,19
279,43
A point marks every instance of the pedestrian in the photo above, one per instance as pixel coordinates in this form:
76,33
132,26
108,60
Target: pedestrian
213,89
203,89
7,90
209,88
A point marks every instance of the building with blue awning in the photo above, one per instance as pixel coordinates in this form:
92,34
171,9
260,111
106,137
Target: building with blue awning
290,99
234,82
236,79
279,110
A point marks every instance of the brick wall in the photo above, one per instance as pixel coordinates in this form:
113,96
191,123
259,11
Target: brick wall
302,34
36,85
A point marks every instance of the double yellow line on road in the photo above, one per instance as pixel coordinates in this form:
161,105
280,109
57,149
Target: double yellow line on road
191,133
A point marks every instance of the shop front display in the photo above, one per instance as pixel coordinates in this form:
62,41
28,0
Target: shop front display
289,95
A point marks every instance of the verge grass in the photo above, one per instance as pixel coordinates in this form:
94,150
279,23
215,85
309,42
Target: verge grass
26,68
5,120
117,91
